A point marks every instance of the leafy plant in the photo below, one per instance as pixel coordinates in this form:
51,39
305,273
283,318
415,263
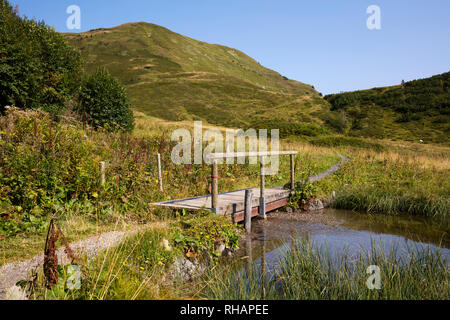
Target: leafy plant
303,192
105,103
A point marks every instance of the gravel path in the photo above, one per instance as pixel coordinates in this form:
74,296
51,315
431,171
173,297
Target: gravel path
11,273
332,170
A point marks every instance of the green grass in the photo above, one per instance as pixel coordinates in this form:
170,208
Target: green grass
310,273
138,267
392,202
400,178
339,141
173,77
409,179
416,110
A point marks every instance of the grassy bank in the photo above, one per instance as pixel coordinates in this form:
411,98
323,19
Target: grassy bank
306,272
398,180
50,170
140,266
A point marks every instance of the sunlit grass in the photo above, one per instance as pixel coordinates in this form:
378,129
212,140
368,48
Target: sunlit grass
308,272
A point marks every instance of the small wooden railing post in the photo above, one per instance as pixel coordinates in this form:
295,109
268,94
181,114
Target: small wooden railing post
248,211
292,173
160,174
214,186
102,172
262,199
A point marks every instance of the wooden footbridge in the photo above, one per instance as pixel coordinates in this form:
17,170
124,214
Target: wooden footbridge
233,203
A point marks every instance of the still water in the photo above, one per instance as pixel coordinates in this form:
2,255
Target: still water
340,231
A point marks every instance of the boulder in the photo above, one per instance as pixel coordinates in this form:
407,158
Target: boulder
313,205
185,269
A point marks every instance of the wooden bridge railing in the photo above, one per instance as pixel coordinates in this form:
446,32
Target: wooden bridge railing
214,157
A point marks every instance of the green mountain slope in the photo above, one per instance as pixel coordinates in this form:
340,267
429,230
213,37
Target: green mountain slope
174,77
418,109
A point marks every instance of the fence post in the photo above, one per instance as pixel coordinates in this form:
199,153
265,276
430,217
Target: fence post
160,174
262,200
292,173
102,172
214,186
248,211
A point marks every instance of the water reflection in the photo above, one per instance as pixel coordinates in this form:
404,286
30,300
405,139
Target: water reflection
338,232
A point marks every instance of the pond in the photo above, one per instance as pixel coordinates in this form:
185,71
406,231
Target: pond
339,231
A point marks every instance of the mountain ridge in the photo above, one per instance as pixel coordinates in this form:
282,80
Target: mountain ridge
175,77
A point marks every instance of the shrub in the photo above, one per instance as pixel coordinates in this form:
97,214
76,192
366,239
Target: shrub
105,102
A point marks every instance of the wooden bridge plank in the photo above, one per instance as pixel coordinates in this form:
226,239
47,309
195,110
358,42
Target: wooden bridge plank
230,203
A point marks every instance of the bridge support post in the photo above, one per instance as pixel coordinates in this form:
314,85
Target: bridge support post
262,199
214,187
248,211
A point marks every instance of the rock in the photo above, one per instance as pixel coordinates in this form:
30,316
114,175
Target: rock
16,293
228,252
220,249
290,210
185,269
166,245
313,205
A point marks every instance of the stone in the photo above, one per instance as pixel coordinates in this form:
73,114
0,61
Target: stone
290,210
220,249
314,205
16,293
166,245
185,269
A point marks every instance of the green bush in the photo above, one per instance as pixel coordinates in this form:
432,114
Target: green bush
38,68
104,102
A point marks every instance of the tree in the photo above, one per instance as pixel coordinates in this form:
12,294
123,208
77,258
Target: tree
38,68
104,101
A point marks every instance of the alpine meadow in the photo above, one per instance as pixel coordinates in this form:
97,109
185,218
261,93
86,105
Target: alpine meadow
94,207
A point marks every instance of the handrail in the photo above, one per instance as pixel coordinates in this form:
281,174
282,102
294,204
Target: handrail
215,176
228,155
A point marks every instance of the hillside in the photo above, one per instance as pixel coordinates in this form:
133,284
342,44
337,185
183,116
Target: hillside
418,109
174,77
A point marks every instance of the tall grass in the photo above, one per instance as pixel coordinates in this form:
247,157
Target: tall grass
306,272
132,270
408,179
371,200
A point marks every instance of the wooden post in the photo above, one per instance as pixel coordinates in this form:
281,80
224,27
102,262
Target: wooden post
214,186
248,249
160,174
248,211
262,200
263,264
102,172
292,173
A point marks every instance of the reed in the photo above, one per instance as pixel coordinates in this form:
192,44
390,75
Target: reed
309,272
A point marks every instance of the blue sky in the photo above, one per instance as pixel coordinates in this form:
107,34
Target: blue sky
321,42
